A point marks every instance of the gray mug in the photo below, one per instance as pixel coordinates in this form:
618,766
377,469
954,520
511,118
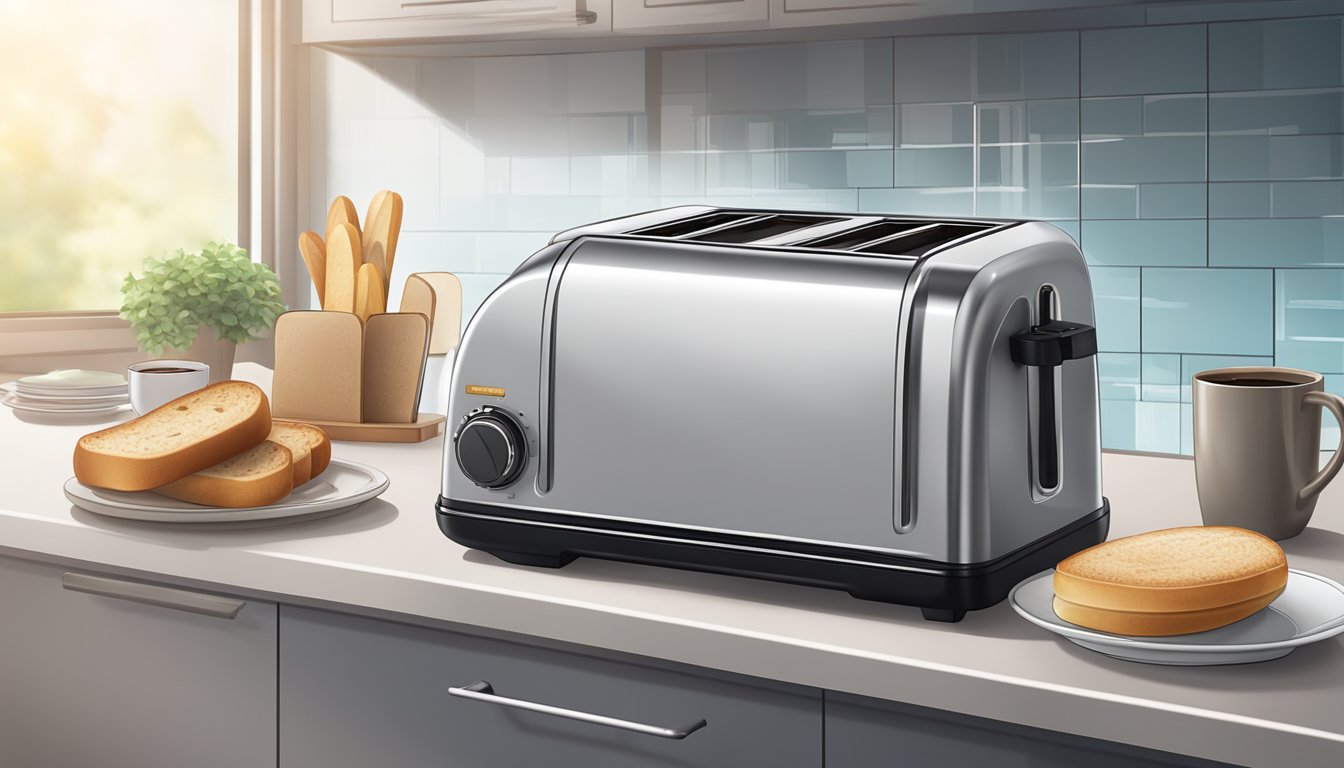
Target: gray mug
1258,446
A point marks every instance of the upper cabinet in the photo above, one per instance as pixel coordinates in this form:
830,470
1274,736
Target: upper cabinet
812,13
674,15
368,21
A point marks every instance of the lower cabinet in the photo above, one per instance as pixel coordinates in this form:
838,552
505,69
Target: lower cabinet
871,733
358,692
110,672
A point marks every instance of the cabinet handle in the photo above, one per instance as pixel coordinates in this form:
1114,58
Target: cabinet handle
151,594
482,691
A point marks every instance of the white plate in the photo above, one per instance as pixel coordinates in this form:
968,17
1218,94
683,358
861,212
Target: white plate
10,389
25,389
18,403
1310,609
343,485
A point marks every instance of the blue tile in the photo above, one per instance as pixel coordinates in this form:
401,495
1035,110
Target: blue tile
1028,121
1307,199
1240,200
869,168
935,68
1163,243
1276,242
1031,66
1029,166
937,201
1118,375
1277,112
935,167
1115,292
1143,60
1290,53
1193,364
1110,201
1181,113
1135,159
1310,311
1217,311
1021,202
1140,426
1101,118
1262,158
935,124
1173,201
1162,378
1070,228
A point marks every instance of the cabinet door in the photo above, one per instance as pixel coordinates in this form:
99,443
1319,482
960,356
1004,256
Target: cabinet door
806,13
658,15
358,692
327,21
870,733
91,678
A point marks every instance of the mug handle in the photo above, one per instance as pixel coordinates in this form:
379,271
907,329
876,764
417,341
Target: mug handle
1335,404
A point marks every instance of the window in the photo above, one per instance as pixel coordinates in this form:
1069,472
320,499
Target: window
119,138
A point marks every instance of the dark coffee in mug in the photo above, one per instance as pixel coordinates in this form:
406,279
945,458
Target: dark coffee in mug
165,370
1235,382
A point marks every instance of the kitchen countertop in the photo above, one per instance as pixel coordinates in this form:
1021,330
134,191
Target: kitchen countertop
388,557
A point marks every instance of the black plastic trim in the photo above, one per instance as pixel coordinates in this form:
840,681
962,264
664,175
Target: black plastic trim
945,590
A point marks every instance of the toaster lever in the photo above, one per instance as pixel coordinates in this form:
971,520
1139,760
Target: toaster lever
1050,344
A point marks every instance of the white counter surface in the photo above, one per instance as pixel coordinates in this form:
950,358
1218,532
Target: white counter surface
388,556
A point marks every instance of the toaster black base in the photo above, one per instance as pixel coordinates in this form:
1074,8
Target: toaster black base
944,591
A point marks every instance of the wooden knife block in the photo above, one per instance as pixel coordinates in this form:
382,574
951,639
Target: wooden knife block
358,381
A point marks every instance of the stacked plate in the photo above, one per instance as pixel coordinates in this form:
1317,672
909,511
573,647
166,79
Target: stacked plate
68,391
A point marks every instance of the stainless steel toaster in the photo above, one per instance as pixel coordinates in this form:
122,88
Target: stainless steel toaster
903,408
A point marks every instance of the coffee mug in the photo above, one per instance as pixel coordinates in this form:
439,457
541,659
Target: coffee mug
154,382
1258,446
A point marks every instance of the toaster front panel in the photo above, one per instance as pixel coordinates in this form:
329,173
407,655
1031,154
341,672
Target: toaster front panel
726,389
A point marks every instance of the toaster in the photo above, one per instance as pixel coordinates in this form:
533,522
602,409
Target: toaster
903,408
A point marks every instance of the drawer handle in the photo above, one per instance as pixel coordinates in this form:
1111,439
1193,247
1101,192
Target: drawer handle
151,594
482,691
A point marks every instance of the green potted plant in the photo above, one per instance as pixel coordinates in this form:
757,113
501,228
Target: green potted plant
199,306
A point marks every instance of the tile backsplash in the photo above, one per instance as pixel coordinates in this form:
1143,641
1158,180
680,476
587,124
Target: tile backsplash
1200,166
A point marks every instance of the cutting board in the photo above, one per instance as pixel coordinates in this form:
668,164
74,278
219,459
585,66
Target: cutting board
418,296
394,367
447,328
319,366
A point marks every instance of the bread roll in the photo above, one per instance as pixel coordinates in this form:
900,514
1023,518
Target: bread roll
1170,582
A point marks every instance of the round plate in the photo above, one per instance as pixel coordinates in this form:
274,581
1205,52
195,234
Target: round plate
1310,609
18,403
343,485
13,391
23,389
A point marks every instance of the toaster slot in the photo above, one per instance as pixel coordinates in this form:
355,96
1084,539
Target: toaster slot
694,224
850,239
917,242
760,228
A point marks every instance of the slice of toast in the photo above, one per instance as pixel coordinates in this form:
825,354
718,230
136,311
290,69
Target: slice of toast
299,450
1186,574
195,431
257,477
319,445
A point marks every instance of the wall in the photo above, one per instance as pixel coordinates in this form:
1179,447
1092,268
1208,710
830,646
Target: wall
1201,167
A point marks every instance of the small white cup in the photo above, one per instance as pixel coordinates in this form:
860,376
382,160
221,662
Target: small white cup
154,382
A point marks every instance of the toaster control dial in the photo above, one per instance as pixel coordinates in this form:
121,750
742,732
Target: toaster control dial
490,447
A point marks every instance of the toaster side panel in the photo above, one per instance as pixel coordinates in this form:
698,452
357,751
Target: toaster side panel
970,409
726,389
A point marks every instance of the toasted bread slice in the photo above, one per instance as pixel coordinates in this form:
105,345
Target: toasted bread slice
254,478
195,431
297,443
319,445
1194,570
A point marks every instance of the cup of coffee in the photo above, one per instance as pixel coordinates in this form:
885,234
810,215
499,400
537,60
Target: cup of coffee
154,382
1258,447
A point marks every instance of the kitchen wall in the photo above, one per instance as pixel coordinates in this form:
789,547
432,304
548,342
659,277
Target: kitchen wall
1200,166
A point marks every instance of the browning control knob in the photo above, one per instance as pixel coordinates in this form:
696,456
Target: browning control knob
490,448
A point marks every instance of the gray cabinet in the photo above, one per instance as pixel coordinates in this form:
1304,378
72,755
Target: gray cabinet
870,733
360,692
104,671
665,15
